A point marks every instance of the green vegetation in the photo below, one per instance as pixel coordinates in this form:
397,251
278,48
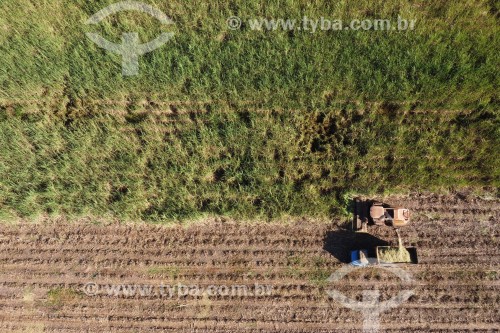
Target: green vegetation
243,123
59,296
241,164
449,61
172,272
319,275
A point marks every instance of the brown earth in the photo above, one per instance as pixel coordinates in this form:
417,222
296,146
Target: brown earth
44,269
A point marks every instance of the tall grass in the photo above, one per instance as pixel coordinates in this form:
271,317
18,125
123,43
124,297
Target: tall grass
243,123
450,61
242,164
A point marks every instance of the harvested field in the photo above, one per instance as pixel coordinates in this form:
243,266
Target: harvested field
44,269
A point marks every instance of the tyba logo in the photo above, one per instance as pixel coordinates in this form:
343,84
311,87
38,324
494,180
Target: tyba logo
130,49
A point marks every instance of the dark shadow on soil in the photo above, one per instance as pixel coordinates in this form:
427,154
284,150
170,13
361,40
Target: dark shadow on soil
340,243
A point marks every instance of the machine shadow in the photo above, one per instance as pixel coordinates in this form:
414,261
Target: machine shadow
340,243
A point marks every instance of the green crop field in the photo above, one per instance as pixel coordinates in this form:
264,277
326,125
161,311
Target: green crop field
243,123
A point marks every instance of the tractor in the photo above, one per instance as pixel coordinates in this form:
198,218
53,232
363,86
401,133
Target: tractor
368,212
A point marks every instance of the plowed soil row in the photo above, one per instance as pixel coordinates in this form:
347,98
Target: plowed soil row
45,268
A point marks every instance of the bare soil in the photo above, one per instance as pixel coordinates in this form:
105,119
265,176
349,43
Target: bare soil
44,268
